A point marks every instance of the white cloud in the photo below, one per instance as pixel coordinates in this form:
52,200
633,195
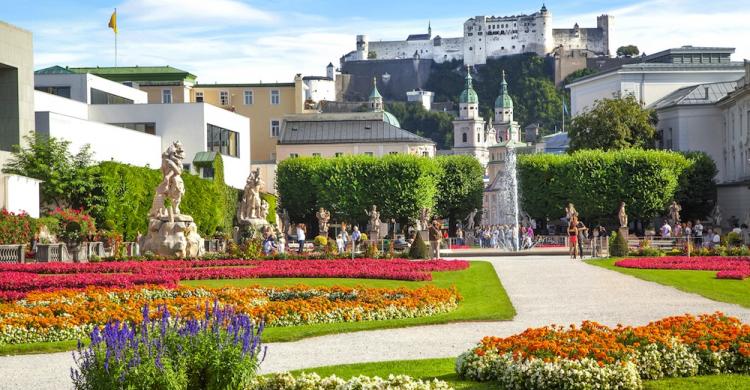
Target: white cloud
201,11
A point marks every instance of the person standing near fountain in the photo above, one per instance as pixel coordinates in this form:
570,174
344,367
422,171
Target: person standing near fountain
435,236
582,231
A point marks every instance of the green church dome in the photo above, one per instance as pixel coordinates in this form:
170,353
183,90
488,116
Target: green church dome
468,95
503,100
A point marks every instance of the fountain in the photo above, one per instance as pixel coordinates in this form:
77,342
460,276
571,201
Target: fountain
507,195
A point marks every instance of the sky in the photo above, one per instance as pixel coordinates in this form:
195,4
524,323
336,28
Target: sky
269,41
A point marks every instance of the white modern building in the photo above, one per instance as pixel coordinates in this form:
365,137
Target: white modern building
425,98
116,122
714,118
657,76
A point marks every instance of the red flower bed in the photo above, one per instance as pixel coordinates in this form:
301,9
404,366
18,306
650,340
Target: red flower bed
18,279
727,267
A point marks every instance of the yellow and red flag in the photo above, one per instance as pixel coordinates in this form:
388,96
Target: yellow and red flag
113,21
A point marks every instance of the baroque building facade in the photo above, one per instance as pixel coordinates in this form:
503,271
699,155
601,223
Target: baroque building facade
491,37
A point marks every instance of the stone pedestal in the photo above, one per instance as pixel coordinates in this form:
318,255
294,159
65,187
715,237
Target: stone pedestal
624,232
178,239
252,228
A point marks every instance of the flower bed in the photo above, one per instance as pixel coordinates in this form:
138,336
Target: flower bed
18,279
286,381
596,356
70,314
727,267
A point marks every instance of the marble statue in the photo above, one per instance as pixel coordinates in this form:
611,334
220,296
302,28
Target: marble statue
264,206
470,220
716,216
251,206
171,187
570,211
171,233
622,216
283,222
424,219
375,223
323,216
674,212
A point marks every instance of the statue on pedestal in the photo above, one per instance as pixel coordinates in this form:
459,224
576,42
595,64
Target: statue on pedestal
424,219
716,217
374,222
251,207
622,216
570,211
283,222
470,220
674,213
171,233
323,216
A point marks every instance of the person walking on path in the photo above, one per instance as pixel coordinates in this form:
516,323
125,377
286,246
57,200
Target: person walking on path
301,237
356,236
573,237
435,236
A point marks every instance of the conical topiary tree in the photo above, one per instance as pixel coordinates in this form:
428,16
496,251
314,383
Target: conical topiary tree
618,246
418,249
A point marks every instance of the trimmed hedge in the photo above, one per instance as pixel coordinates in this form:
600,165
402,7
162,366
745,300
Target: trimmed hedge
127,192
400,185
596,181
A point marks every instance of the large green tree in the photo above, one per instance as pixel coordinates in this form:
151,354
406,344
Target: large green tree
67,179
697,192
460,188
613,124
628,51
597,181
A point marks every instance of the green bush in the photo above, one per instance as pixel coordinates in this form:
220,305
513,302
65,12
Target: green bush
618,246
16,228
418,249
371,251
596,182
734,239
461,187
126,194
320,241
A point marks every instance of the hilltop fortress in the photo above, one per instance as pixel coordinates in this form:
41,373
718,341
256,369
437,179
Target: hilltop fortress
491,37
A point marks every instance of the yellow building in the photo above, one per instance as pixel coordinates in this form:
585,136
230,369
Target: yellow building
264,103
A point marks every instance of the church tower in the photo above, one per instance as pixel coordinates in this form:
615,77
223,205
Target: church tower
506,127
375,99
469,135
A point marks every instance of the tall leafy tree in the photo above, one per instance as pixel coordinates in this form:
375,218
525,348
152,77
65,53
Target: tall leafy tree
67,179
460,188
613,124
697,192
628,51
437,126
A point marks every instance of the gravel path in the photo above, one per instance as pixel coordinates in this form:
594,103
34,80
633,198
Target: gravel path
544,290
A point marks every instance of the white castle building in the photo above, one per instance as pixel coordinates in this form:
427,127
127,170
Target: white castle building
491,37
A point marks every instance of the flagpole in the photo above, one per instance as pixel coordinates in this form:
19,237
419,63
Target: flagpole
115,40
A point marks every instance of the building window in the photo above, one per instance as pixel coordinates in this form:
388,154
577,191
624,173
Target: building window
316,154
339,154
207,172
224,98
275,97
145,127
219,139
393,153
293,155
59,91
368,154
248,98
478,138
186,167
101,97
275,127
464,138
199,97
425,154
166,96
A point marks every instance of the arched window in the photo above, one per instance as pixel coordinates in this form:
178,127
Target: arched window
464,137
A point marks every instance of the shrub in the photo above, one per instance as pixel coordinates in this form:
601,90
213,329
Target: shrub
418,249
618,246
320,241
75,225
15,228
363,237
220,351
371,251
734,239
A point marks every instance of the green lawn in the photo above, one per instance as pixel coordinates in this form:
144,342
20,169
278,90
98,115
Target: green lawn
484,299
699,282
442,369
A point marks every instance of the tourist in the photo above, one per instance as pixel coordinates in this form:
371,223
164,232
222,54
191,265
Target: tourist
344,235
459,236
494,237
573,237
528,240
301,237
435,236
716,239
340,243
737,229
582,235
269,246
698,233
356,236
666,230
677,231
710,239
